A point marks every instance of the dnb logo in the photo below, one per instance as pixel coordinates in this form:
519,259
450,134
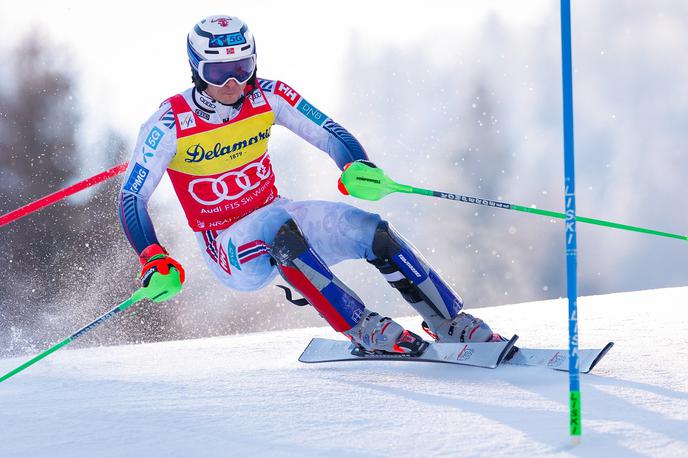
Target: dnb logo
136,179
231,185
153,139
311,112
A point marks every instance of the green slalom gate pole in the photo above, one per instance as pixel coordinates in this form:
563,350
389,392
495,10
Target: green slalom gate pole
160,288
370,183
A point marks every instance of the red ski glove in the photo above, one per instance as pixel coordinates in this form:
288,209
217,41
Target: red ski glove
154,258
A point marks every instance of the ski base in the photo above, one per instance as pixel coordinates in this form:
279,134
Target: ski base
479,354
558,359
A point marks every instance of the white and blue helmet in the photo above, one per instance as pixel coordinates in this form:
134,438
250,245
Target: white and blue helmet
221,48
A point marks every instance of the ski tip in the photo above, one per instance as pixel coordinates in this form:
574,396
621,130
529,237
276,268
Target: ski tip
599,357
302,358
507,349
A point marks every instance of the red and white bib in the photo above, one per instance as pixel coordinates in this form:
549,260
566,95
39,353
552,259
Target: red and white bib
221,173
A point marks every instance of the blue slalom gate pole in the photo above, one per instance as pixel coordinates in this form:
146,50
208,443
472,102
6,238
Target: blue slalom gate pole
570,204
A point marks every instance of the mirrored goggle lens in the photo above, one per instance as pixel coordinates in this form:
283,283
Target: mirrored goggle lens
218,73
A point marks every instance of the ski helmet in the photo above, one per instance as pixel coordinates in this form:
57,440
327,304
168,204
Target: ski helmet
221,48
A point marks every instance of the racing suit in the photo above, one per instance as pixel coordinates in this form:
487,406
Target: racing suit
217,159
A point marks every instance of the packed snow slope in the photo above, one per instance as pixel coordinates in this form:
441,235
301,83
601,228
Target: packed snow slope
249,396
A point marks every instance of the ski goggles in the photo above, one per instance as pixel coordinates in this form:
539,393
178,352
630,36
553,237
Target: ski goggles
219,73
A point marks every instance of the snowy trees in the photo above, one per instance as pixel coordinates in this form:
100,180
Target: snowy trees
67,262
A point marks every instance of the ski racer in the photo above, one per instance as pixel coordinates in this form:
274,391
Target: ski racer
212,139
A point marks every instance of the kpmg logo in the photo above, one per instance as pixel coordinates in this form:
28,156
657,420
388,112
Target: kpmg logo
154,137
136,179
197,153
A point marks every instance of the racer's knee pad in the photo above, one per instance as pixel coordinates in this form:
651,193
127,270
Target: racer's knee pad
303,269
405,269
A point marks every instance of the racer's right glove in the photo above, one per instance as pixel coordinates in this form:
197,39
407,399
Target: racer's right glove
155,259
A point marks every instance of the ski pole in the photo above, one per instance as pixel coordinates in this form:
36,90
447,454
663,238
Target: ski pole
160,288
371,183
61,194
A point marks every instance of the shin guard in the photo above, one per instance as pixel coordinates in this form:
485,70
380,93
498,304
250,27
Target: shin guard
303,269
405,269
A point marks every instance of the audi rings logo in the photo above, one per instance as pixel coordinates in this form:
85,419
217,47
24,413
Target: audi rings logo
229,186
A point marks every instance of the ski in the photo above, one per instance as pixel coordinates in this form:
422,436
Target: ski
485,354
558,359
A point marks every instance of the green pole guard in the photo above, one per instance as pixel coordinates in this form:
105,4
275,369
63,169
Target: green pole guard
159,289
371,183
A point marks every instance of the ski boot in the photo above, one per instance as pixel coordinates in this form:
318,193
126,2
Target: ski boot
375,334
462,328
466,328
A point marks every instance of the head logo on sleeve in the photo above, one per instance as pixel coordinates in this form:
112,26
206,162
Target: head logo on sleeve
287,93
186,120
136,179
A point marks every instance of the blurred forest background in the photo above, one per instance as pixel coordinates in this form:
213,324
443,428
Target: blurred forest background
484,121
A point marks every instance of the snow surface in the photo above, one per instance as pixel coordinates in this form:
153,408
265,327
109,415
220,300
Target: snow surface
249,396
